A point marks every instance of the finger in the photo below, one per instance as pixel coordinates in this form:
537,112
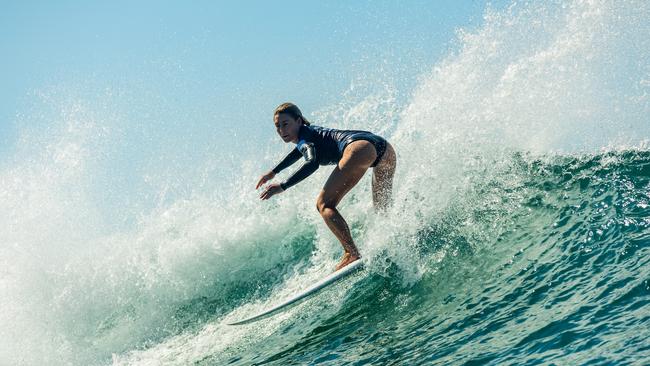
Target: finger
268,194
259,183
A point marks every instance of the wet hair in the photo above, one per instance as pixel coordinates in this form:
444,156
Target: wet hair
292,110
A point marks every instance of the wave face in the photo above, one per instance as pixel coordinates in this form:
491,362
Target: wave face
520,232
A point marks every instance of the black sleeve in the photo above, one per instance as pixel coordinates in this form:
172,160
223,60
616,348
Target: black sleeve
291,158
308,167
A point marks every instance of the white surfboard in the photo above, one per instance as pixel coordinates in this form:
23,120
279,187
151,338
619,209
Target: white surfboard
341,273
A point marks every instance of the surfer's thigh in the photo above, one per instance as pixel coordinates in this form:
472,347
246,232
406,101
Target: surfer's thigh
382,178
384,171
357,158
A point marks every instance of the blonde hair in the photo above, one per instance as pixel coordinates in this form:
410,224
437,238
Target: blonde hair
292,110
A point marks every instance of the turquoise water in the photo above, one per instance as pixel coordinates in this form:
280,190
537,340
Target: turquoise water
554,269
519,234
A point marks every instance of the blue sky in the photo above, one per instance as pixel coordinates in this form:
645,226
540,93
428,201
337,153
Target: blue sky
215,61
186,90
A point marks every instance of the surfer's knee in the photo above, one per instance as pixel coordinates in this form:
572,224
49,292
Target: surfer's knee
323,205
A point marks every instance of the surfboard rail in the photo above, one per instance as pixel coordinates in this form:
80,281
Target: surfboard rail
311,290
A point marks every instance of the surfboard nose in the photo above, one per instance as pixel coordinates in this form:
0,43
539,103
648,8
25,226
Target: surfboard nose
310,291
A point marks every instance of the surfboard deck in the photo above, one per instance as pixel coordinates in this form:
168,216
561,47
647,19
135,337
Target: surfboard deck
313,289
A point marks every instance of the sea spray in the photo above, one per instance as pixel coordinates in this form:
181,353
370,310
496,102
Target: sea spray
519,232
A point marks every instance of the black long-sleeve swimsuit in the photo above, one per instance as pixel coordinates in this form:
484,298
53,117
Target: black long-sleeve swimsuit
323,146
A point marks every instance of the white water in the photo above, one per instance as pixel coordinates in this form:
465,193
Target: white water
77,288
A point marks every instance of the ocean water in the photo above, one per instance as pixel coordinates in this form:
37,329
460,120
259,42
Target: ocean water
520,231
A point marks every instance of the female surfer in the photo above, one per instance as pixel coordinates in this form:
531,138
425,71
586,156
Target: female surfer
352,151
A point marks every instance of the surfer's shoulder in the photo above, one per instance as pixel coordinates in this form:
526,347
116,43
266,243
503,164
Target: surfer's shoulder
307,132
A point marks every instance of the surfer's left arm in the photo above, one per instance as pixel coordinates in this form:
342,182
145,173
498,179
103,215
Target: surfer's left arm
308,167
291,158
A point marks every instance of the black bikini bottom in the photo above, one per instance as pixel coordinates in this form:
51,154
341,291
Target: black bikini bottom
377,141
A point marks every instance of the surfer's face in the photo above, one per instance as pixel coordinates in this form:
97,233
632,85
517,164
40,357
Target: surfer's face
287,127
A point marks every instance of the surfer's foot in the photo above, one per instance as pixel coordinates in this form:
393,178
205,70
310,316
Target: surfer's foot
347,259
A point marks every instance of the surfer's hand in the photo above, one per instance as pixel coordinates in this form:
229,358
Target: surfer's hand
271,190
265,178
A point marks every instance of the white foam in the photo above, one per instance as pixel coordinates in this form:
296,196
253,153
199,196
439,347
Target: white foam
541,78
